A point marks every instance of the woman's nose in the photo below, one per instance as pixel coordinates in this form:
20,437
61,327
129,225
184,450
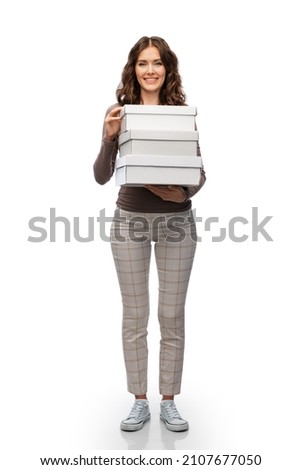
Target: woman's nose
150,68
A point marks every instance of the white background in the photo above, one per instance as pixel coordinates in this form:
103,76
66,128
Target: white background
62,375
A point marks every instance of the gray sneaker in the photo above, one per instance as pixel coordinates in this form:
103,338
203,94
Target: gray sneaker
171,417
139,414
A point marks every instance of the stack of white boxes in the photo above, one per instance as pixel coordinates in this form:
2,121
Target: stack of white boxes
158,145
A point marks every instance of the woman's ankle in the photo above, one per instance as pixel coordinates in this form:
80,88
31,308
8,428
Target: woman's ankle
141,397
167,397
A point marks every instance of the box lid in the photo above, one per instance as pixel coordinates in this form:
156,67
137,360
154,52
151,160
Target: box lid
157,109
142,134
159,160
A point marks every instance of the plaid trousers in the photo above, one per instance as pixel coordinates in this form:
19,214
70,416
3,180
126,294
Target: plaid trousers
174,239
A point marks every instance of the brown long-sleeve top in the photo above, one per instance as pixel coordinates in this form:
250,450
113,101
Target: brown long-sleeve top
138,198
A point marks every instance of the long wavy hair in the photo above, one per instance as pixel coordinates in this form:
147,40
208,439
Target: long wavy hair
171,92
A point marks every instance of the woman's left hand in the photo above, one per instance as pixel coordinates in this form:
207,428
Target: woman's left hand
172,193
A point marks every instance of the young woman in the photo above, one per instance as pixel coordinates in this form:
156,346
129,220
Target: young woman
150,77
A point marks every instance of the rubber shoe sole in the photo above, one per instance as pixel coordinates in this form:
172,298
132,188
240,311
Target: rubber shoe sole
134,427
175,427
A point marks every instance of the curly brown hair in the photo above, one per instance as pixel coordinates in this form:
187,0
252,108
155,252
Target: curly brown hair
171,93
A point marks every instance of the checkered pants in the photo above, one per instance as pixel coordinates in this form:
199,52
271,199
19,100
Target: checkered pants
174,238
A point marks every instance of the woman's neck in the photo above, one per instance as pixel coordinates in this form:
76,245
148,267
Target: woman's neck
150,99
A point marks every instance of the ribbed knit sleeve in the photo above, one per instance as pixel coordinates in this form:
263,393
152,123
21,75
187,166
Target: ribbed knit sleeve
105,162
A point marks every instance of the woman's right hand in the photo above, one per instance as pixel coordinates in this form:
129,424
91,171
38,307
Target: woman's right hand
112,123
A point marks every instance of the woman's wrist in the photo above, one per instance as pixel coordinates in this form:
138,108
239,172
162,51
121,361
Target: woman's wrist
109,138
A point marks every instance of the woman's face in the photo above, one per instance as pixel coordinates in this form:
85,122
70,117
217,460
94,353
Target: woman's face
150,71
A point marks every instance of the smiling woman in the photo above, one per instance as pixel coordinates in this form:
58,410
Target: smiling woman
151,51
150,77
150,73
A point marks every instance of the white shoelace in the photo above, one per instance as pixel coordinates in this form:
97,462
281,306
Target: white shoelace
136,410
172,411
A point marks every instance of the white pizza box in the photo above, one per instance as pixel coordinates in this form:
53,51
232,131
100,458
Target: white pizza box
137,170
173,118
158,142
